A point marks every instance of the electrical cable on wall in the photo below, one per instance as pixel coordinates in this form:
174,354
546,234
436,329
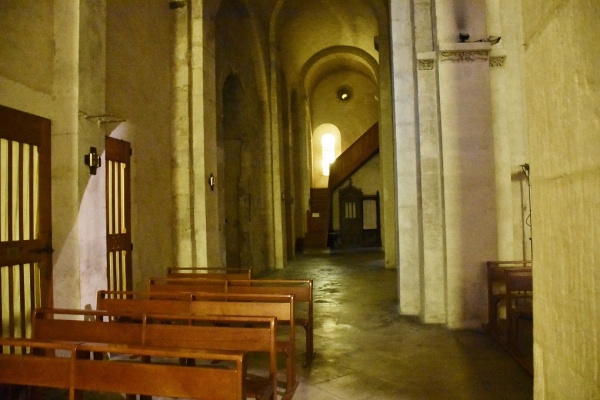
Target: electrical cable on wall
525,169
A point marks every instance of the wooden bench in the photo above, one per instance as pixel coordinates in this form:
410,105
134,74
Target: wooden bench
279,306
210,273
76,373
248,334
302,289
496,287
215,304
519,303
214,333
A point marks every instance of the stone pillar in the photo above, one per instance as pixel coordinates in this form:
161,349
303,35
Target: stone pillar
468,159
197,236
185,249
275,164
92,95
65,169
433,283
389,227
405,160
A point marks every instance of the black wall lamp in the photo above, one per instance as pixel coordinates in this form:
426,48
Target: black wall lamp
92,160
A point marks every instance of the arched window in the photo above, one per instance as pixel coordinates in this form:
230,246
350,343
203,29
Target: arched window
328,147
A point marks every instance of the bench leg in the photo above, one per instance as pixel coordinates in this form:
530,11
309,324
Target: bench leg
290,376
310,351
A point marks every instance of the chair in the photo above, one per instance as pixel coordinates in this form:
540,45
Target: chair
519,303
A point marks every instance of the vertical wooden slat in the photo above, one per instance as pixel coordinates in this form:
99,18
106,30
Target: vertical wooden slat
11,304
22,308
32,211
21,223
9,195
117,198
32,287
2,283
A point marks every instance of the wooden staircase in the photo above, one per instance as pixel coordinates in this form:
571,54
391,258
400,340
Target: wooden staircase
345,165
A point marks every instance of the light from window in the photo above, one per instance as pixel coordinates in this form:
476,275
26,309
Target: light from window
328,145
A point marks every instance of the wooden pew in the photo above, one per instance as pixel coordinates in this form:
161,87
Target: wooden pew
496,287
216,304
302,289
215,333
519,303
76,373
248,334
210,273
277,305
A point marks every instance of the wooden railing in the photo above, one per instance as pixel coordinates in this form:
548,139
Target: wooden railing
354,157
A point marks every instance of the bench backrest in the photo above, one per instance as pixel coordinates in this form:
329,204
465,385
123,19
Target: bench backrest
203,382
509,263
143,301
301,289
160,284
82,326
496,277
279,306
210,273
519,284
222,333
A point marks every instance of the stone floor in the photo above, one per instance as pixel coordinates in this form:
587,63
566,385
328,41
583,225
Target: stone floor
365,350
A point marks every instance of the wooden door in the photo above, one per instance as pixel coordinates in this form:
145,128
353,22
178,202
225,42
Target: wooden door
351,216
118,215
25,220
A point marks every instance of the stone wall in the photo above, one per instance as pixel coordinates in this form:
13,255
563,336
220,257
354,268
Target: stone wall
563,93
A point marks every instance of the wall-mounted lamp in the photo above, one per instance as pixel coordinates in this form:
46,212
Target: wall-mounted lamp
463,37
211,182
92,160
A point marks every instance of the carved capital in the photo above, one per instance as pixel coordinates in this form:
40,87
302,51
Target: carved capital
497,61
426,64
464,55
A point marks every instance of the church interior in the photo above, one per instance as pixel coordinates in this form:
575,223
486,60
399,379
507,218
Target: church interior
138,135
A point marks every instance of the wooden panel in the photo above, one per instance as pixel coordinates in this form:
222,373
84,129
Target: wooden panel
25,232
118,215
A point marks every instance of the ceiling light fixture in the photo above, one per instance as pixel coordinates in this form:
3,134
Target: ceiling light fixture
344,93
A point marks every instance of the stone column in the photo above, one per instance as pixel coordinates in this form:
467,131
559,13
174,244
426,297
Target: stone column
405,160
197,237
433,283
468,159
92,98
